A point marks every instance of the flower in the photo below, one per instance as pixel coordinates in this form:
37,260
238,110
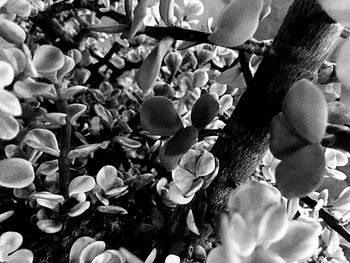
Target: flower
257,229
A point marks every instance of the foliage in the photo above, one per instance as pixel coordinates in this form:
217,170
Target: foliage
108,114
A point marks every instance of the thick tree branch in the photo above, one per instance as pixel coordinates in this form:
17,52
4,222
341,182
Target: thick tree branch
338,137
302,43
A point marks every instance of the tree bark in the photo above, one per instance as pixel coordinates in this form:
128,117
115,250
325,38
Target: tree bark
302,44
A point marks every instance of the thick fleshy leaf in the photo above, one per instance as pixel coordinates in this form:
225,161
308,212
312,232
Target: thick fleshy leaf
9,242
284,140
49,196
173,60
91,251
6,215
116,256
338,10
29,88
237,235
169,162
78,209
48,167
301,172
9,103
66,68
205,164
9,126
176,196
183,179
72,91
225,103
49,226
305,108
253,196
139,14
24,192
265,256
84,150
342,203
181,142
81,184
218,255
273,225
300,241
195,187
129,257
108,178
166,11
204,111
229,76
127,142
16,173
48,58
42,140
343,61
237,23
112,209
75,110
77,247
172,259
21,256
149,70
200,78
191,224
11,32
159,117
6,74
102,258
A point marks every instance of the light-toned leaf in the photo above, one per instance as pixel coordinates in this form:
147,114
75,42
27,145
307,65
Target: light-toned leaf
108,178
9,126
72,91
49,226
48,167
21,256
183,179
237,23
6,74
48,58
166,11
29,88
91,251
75,110
9,103
6,215
205,164
11,32
42,140
81,184
78,209
16,173
77,247
9,242
112,209
191,224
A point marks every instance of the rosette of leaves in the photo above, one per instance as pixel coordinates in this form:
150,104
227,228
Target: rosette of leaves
296,134
196,170
110,184
9,252
88,250
159,117
260,231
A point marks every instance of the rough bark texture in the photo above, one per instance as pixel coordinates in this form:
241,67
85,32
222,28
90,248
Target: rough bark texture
302,43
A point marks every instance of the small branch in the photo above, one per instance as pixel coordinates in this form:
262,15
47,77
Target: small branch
209,132
245,67
338,137
64,144
328,218
251,46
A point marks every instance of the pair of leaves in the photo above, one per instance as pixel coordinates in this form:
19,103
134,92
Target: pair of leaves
296,134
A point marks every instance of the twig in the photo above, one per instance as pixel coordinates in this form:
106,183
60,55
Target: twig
245,67
64,144
328,218
338,137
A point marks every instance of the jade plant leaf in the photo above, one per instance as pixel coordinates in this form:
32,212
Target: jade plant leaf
159,117
75,110
9,242
107,178
204,111
48,59
139,14
301,172
149,70
9,126
181,142
9,103
42,140
91,251
11,32
284,140
237,23
49,226
16,173
305,108
81,184
77,247
6,74
29,88
169,162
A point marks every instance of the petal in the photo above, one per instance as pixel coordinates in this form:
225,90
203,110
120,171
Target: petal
300,241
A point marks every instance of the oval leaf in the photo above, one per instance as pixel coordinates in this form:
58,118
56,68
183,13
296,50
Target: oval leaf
16,173
181,142
42,140
48,58
159,117
81,184
204,111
